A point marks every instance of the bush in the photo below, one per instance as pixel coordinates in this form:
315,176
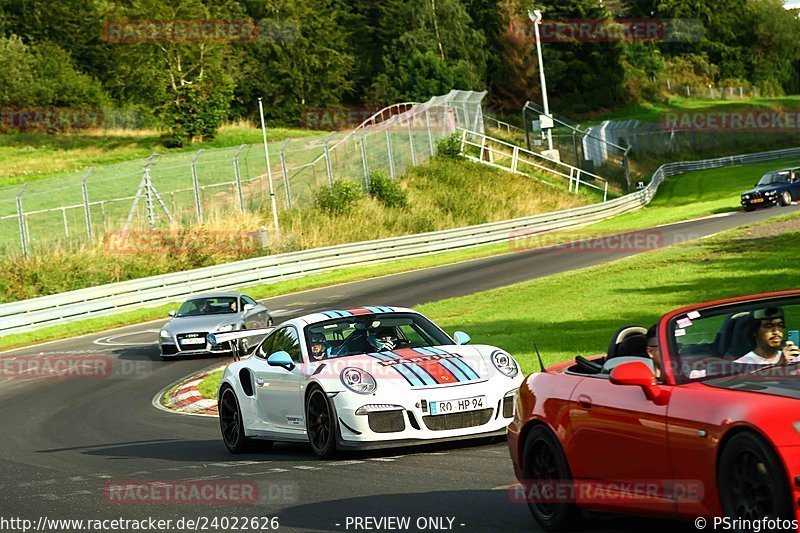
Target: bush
449,147
386,191
339,198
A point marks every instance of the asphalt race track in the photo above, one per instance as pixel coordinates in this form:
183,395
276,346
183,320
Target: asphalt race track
64,440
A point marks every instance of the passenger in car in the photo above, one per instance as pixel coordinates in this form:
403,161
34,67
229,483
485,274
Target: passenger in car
768,330
653,350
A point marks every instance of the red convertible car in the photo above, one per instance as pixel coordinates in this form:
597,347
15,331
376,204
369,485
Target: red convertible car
699,416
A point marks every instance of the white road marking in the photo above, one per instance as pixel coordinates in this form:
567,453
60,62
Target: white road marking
109,341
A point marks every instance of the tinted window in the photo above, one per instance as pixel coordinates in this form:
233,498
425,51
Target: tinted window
286,339
208,306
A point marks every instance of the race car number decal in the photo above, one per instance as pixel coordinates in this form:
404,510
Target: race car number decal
457,406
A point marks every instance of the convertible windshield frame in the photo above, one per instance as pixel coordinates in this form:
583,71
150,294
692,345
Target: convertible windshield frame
430,333
719,365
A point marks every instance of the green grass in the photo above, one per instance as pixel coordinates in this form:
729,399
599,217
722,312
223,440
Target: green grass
652,112
208,387
576,312
35,156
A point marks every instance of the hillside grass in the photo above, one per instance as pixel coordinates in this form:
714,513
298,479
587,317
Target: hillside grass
442,194
32,156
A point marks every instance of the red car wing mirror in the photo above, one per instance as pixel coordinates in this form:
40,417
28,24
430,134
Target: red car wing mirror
639,374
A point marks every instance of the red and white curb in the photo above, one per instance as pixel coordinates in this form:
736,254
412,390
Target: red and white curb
185,398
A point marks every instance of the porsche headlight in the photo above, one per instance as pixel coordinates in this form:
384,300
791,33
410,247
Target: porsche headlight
164,334
226,327
357,380
504,363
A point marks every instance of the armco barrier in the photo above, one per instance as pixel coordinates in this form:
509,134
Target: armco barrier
35,313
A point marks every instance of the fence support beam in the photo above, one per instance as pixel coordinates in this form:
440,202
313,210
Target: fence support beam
328,167
285,173
197,204
21,214
238,176
86,210
411,142
430,133
364,161
389,150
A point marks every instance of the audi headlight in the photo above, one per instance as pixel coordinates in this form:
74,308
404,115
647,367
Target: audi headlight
504,363
357,380
164,334
226,327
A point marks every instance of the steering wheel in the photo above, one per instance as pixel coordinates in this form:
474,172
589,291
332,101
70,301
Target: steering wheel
589,366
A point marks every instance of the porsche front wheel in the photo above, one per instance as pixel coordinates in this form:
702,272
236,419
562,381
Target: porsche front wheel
320,424
751,481
230,422
547,475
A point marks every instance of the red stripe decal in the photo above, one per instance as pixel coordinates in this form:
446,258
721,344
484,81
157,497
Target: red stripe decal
360,311
439,373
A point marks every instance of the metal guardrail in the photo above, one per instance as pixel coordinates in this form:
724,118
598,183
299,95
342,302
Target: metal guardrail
39,312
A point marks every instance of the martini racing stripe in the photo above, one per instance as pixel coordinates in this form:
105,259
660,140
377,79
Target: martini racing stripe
374,309
439,373
457,362
417,370
412,377
359,311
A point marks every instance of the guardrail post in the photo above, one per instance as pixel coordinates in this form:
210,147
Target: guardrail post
577,180
197,204
389,149
571,177
625,162
411,142
364,162
86,210
605,193
286,174
463,140
328,167
20,213
515,159
238,176
483,147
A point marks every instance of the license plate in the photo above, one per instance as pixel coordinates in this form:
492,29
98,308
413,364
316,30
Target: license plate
198,340
457,406
757,201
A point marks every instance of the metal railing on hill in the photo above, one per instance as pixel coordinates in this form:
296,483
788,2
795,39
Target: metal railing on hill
141,293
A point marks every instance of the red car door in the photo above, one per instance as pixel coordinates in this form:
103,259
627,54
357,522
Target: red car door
617,448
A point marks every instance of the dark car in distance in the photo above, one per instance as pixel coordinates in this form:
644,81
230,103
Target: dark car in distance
779,187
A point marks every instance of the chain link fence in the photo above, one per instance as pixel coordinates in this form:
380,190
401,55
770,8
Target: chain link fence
195,187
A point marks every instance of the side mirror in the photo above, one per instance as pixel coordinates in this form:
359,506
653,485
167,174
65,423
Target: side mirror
461,338
638,374
171,313
281,359
248,307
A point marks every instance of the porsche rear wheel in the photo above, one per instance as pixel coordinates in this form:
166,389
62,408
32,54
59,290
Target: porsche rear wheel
546,471
230,422
752,483
320,424
786,198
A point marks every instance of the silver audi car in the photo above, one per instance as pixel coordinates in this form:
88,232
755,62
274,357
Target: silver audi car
216,312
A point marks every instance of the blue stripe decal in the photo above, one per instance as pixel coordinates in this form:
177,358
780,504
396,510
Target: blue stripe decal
386,310
372,309
464,367
329,314
457,372
437,351
425,375
412,377
343,313
380,356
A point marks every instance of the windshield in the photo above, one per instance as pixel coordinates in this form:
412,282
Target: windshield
217,305
372,333
734,339
771,178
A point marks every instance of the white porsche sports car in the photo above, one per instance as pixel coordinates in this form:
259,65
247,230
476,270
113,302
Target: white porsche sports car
362,378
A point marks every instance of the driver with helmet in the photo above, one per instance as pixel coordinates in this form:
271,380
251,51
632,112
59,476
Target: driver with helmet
320,348
383,338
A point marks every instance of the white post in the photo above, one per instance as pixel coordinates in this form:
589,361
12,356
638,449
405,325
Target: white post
536,18
269,170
